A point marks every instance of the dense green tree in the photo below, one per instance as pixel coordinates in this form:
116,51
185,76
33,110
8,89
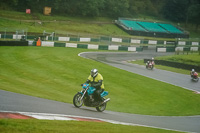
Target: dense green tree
64,7
176,10
194,14
8,4
90,7
116,8
111,8
148,7
183,11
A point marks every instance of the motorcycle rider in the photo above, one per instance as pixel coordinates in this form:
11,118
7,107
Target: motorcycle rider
152,61
96,81
192,73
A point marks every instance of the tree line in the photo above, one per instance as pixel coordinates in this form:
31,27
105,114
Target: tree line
174,10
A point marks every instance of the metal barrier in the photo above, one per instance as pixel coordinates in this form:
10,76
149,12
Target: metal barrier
100,39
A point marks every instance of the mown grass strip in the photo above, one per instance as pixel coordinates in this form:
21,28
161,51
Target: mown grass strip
191,59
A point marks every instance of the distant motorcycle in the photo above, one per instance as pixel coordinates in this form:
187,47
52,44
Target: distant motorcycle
195,77
149,65
86,97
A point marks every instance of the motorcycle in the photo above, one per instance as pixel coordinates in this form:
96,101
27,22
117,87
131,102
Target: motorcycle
150,65
195,77
86,97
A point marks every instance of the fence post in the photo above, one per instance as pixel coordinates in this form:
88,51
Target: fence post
16,35
52,36
99,39
5,35
78,37
26,34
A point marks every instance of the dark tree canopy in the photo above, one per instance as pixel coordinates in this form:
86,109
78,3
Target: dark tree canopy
174,10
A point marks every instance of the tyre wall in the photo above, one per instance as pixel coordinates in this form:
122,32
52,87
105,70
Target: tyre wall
13,43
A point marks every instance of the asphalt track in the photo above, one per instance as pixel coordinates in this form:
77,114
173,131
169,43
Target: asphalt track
10,101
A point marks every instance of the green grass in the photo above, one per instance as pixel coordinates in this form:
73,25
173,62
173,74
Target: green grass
56,73
192,59
38,16
44,126
13,20
62,27
98,29
15,15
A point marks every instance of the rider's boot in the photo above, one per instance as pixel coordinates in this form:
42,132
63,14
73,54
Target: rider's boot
106,100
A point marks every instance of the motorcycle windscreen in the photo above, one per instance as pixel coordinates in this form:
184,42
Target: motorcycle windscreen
103,94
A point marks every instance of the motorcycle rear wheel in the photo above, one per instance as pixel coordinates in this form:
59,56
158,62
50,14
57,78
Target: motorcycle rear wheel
101,108
196,80
77,100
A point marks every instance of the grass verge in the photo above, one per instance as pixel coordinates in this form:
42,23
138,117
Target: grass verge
44,126
57,72
191,59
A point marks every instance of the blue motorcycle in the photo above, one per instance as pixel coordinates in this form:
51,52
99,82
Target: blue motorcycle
86,97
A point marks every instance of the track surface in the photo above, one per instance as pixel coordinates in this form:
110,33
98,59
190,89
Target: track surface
10,101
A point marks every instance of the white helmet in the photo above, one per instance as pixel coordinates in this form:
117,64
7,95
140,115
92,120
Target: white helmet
94,72
152,58
193,70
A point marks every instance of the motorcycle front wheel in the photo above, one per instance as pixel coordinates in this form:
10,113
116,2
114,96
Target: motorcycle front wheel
101,108
77,100
152,67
